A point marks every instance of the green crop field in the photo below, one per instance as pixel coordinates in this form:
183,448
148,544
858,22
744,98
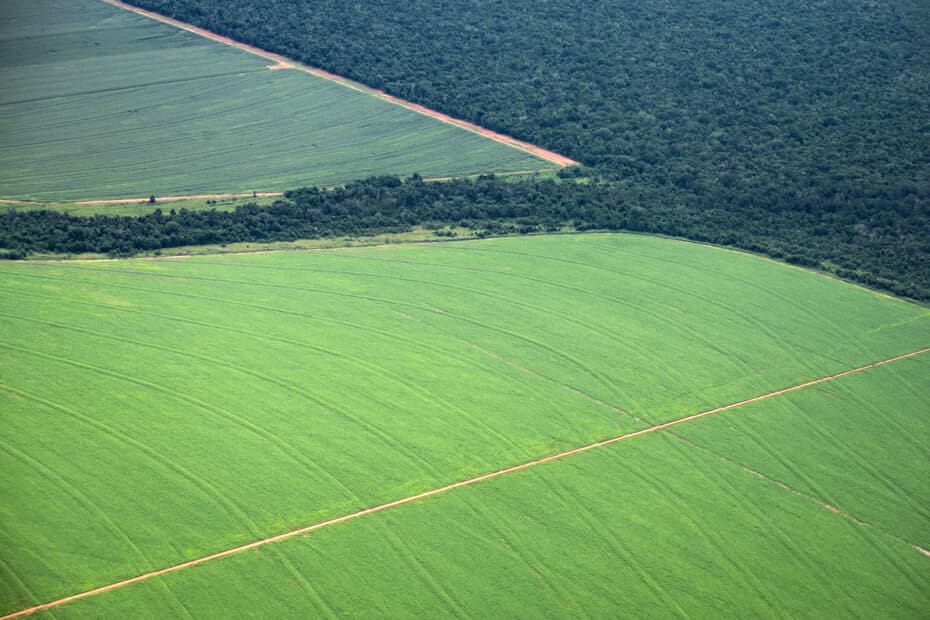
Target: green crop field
98,102
156,411
140,207
648,528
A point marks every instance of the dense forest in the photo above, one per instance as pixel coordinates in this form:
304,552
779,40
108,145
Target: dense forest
803,124
708,95
796,128
489,206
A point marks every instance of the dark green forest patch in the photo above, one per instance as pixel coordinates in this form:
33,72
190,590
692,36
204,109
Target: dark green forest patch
792,126
490,206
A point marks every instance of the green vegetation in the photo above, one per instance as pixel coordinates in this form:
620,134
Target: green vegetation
99,102
158,410
859,444
135,209
486,206
647,529
146,206
788,127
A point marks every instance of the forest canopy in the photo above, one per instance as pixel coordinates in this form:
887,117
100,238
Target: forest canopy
490,206
813,115
796,128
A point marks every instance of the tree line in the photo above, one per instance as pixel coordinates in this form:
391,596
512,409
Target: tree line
796,127
884,252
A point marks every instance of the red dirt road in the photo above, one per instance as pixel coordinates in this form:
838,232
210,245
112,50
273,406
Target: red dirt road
281,62
455,485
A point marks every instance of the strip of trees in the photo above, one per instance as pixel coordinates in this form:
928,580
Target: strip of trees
880,251
794,128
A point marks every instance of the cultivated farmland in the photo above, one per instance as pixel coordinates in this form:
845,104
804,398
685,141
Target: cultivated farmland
648,528
98,102
157,411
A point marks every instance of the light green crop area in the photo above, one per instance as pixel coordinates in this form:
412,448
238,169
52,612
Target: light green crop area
155,411
98,102
140,207
861,445
647,529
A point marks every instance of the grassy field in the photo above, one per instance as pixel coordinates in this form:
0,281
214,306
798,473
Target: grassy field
136,208
143,206
159,410
860,445
101,103
650,528
417,235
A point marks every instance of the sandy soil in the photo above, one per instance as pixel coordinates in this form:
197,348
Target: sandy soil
455,485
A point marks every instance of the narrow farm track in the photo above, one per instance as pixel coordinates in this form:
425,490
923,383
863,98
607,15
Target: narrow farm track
757,474
281,62
456,485
117,201
161,199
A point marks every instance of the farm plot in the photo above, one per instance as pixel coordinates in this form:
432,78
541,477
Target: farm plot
160,410
98,102
860,446
647,528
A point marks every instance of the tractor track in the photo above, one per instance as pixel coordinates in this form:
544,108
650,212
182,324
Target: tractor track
455,485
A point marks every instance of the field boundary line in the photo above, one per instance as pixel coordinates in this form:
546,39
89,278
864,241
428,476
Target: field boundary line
282,62
161,199
455,485
836,510
117,201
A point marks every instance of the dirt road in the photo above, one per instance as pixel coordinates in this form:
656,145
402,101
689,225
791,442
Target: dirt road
159,199
116,201
455,485
281,62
